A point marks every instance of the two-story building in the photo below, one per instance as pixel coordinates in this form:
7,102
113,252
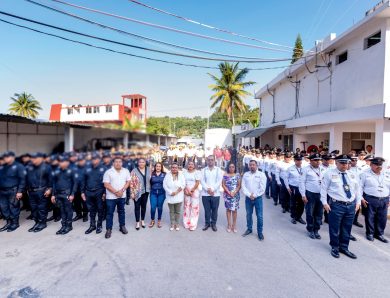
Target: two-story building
337,96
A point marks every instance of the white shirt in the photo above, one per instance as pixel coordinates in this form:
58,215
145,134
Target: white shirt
281,171
117,180
254,183
180,153
199,153
375,185
211,178
332,185
191,178
171,152
310,180
170,185
293,176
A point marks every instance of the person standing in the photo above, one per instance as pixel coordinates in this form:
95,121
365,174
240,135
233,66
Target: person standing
191,197
310,190
211,184
39,186
140,181
280,176
226,158
254,183
79,205
231,184
174,184
356,171
218,154
12,186
375,191
199,157
157,194
116,180
340,197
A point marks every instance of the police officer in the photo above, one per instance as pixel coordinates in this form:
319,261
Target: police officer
12,185
53,162
79,204
65,182
94,193
280,176
375,191
340,196
356,171
39,184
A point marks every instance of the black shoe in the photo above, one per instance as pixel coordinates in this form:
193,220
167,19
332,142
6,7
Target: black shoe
352,238
214,228
358,224
382,239
60,231
247,232
85,218
348,253
206,227
335,253
13,227
40,227
275,203
5,226
123,230
370,237
33,228
127,201
318,236
57,219
77,217
90,229
67,229
30,217
99,229
50,218
284,210
311,235
293,221
300,220
260,237
108,234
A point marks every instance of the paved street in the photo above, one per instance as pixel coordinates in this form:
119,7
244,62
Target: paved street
159,263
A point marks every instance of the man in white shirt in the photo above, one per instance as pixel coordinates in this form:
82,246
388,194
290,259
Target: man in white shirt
116,180
280,175
199,153
340,196
211,183
275,189
355,171
253,184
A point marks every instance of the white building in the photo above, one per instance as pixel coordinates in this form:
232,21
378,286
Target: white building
339,97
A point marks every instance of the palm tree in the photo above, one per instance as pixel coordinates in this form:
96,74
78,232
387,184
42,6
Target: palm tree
229,90
24,105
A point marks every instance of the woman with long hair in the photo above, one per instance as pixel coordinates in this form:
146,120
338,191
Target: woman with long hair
157,194
231,185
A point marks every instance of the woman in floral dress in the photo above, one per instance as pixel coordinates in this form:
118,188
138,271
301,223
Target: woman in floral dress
231,184
191,197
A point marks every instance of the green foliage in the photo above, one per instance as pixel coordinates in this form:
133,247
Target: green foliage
298,49
24,105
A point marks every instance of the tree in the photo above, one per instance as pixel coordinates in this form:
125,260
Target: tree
229,90
298,49
24,105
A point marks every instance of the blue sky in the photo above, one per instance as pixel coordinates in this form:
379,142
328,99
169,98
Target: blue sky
56,71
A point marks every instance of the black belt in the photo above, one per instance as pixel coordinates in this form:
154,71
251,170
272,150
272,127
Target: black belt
95,189
8,188
343,203
378,198
62,192
36,189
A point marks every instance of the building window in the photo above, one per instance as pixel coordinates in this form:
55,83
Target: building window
108,109
89,110
342,57
372,40
96,110
70,111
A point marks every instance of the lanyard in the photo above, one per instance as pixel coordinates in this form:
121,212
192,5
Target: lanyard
299,170
377,177
318,174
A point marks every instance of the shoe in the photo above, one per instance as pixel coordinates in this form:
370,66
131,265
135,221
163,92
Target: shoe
77,217
177,228
352,238
90,229
358,224
151,225
85,218
300,220
67,229
214,228
33,228
99,229
275,203
171,228
6,226
14,225
348,253
123,230
229,230
108,234
247,232
382,239
50,218
260,237
60,231
30,217
370,237
206,227
293,221
40,227
235,230
317,236
335,253
311,235
127,201
284,210
57,219
159,225
137,226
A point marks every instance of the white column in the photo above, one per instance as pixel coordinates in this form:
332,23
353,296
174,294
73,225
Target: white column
335,138
69,139
382,139
159,140
147,138
126,141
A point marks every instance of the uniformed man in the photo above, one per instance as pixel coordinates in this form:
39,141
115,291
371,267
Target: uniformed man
12,185
39,186
367,160
375,191
53,207
65,183
310,189
356,171
280,175
199,153
79,204
94,193
107,160
25,160
340,196
275,189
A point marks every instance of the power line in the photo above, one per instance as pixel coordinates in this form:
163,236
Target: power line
139,47
171,28
124,53
207,26
136,35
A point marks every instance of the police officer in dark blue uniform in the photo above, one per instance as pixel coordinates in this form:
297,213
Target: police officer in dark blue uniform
53,162
107,162
79,204
39,186
65,181
12,185
94,193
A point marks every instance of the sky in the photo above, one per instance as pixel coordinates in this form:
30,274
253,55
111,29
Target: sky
57,71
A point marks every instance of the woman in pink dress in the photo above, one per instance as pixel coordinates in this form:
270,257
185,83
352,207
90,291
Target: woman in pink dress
191,197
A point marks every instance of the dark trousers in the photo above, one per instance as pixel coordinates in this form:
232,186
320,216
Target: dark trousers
375,215
284,196
210,205
120,206
313,209
95,206
9,205
256,204
157,199
296,203
80,207
140,207
180,162
340,224
38,203
199,162
65,208
268,185
170,160
274,189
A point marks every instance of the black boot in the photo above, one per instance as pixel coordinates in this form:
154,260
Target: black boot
77,217
61,231
33,228
40,227
14,225
99,228
68,228
6,226
91,228
85,217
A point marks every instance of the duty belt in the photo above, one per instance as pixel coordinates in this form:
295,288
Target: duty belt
36,189
343,202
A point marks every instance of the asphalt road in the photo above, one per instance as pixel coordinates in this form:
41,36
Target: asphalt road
159,263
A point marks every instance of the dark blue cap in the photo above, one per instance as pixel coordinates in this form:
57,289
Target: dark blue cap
95,156
62,157
106,154
8,153
38,154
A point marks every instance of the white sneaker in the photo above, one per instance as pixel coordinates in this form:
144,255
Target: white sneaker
171,228
177,228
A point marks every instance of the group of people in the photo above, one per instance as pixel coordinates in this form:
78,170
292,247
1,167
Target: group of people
97,183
